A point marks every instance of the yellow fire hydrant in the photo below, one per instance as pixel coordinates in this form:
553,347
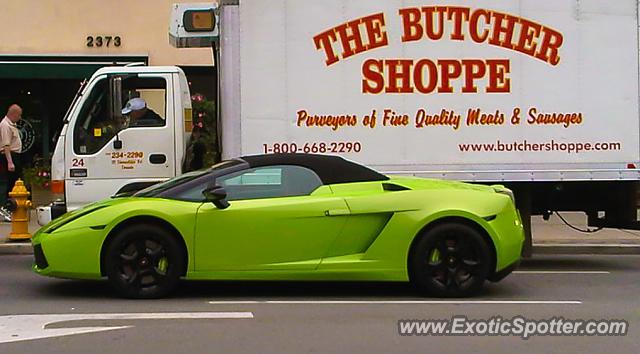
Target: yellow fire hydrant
20,216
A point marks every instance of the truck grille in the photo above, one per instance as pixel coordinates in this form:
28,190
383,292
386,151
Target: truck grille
41,260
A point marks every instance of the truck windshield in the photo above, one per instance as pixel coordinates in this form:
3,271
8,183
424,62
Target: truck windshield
160,189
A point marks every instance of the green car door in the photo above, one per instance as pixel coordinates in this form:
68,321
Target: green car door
275,221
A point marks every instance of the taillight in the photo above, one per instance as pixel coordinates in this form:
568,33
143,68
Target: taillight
57,187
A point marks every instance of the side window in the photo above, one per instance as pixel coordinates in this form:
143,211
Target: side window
269,182
145,102
94,127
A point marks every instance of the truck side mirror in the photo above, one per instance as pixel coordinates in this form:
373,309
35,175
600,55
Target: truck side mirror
115,97
216,195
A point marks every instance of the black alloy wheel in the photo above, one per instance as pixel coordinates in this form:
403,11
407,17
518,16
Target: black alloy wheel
451,260
144,261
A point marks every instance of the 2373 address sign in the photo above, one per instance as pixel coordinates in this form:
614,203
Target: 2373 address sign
103,41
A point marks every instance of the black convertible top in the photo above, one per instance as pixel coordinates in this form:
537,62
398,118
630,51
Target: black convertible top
330,169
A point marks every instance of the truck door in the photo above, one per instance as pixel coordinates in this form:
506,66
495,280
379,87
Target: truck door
108,151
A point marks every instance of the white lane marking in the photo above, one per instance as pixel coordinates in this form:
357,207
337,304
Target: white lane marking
561,272
14,328
399,302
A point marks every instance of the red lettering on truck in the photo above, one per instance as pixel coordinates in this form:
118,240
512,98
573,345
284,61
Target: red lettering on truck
441,76
493,27
354,37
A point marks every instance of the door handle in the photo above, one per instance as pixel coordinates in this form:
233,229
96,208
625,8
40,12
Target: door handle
337,212
157,159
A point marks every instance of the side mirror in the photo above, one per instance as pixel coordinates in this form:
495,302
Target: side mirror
217,195
115,96
115,100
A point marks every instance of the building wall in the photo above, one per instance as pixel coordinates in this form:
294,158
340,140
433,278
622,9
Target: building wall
44,56
61,27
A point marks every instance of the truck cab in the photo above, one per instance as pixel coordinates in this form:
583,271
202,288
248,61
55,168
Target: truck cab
102,152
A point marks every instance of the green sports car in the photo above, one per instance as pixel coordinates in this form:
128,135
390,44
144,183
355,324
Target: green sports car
289,217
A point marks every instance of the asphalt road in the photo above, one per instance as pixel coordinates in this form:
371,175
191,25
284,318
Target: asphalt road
317,317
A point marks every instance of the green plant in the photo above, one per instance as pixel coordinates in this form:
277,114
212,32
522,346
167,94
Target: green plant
37,176
204,116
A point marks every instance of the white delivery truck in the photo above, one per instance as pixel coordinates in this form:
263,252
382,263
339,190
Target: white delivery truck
538,95
100,153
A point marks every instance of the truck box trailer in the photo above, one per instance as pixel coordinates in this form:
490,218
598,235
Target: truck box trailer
541,96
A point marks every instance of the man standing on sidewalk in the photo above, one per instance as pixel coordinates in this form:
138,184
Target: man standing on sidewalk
10,164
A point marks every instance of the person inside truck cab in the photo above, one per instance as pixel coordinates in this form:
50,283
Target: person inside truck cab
139,115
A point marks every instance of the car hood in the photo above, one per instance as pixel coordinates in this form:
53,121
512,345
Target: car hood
75,214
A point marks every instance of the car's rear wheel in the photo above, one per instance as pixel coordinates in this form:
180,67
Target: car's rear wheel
450,260
144,261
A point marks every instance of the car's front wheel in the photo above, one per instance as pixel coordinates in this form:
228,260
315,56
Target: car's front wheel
144,261
450,260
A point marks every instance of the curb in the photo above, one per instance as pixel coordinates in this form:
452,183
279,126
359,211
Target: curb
586,248
16,248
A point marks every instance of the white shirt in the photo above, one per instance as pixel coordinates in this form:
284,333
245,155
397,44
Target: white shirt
9,135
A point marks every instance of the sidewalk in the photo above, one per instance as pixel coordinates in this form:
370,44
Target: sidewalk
17,247
551,236
554,237
40,197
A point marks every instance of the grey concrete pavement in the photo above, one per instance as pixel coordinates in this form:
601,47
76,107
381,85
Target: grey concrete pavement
572,287
17,247
556,237
557,232
39,197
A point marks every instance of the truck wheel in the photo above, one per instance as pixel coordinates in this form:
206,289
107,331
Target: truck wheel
143,262
450,260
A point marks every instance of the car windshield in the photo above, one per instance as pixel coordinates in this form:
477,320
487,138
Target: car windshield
159,188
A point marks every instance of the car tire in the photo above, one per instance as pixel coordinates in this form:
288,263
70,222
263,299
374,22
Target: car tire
450,260
144,261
